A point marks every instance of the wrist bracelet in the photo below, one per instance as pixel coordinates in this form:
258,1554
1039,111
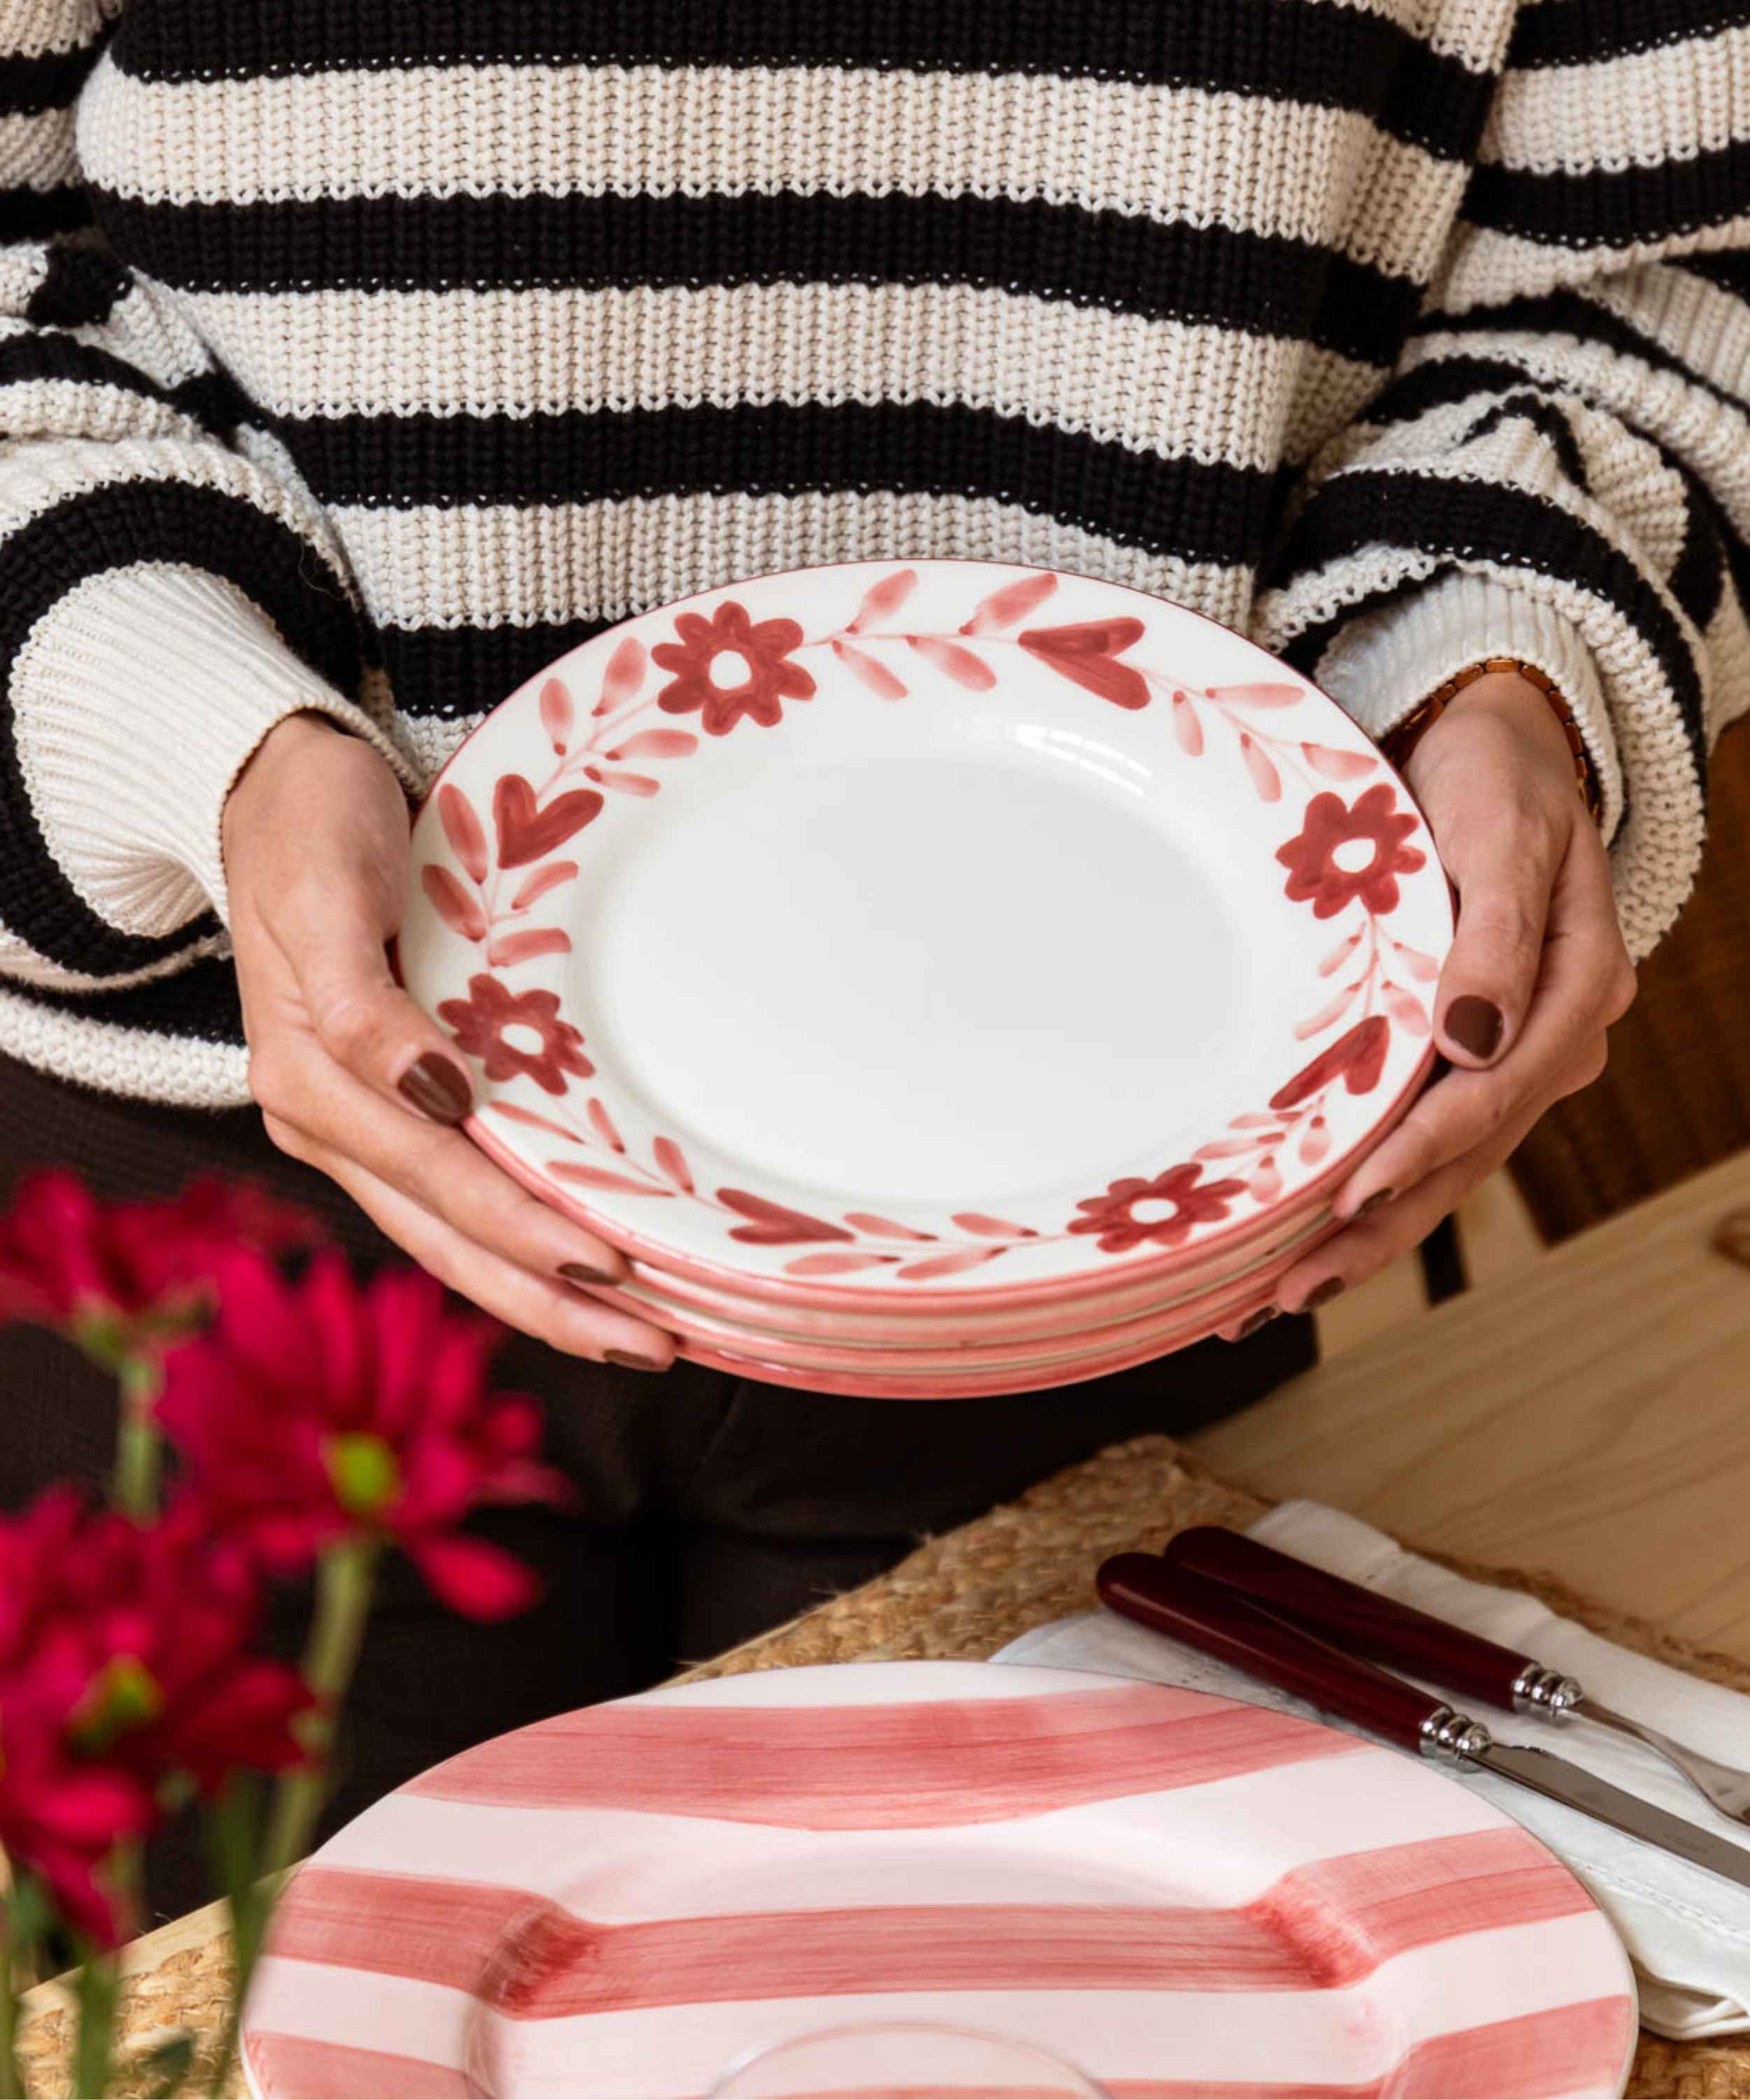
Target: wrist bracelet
1400,742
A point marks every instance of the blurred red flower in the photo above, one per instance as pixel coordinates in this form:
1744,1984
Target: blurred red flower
317,1412
118,1275
125,1663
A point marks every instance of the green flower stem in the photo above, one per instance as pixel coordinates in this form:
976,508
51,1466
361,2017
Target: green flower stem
99,1984
138,1452
344,1579
11,2082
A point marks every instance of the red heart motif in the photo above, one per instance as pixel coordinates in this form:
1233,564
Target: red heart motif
1359,1057
525,833
1087,653
773,1226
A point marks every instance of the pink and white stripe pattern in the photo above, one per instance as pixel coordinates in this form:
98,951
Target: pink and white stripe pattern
1183,1894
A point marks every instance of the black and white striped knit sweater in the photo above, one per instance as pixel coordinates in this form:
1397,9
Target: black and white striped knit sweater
363,355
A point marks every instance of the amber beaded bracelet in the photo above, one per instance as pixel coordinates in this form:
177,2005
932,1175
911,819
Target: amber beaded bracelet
1404,739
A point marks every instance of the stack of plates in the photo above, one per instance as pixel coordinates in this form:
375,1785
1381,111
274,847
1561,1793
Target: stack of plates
940,979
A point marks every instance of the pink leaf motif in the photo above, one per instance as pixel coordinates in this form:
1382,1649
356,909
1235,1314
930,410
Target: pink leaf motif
834,1264
1254,1122
1419,965
603,1124
1315,1024
1267,695
883,1229
1338,765
1357,1058
1266,1184
462,827
527,832
671,1161
1087,653
1234,1148
882,599
626,783
511,1114
1186,727
1265,777
524,946
867,671
600,1177
1012,602
1339,955
1405,1009
1316,1142
623,675
992,1228
774,1224
458,910
656,743
948,1264
557,713
543,879
953,662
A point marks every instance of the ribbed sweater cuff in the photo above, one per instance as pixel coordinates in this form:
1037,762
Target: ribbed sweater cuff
1383,663
138,699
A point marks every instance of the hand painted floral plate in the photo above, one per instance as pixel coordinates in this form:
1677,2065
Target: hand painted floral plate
946,930
1181,1894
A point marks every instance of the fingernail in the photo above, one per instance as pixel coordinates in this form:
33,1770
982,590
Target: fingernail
580,1271
1332,1287
1251,1324
438,1086
1475,1024
627,1361
1376,1201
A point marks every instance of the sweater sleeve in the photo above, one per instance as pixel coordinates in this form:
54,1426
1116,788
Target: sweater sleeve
166,593
1559,468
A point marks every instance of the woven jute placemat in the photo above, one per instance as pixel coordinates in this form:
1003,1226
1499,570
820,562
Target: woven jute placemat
965,1595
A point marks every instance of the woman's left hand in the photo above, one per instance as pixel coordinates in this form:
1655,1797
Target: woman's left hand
1537,974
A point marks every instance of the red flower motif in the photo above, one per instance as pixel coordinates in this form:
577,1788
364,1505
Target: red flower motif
124,1662
319,1411
482,1023
1311,859
1114,1215
122,1276
705,679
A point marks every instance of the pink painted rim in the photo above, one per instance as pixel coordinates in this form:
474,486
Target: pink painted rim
1042,1288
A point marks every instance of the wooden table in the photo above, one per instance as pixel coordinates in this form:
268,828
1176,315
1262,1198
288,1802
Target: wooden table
1589,1416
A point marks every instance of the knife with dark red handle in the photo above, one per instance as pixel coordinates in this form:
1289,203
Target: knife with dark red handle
1219,1621
1378,1627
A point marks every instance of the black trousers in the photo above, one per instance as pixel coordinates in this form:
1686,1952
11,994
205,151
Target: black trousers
708,1507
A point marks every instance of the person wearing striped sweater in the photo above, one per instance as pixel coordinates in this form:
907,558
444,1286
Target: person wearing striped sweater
358,356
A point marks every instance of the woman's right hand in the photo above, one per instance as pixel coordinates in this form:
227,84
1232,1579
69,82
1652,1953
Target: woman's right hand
353,1078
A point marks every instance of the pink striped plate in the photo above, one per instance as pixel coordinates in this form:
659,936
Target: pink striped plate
1184,1895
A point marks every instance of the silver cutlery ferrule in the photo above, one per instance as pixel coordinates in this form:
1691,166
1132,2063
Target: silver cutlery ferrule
1452,1737
1546,1692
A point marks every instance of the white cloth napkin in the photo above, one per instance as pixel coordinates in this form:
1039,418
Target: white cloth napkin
1686,1931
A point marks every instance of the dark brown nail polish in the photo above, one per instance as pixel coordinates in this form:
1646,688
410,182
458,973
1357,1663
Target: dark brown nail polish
1332,1287
1250,1325
580,1271
438,1086
1376,1201
627,1361
1475,1024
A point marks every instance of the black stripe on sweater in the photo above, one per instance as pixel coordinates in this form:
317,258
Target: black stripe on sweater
198,1004
1203,510
1612,207
49,80
1525,404
1304,50
111,528
447,673
207,397
1458,521
79,288
1557,33
29,214
1729,269
1264,283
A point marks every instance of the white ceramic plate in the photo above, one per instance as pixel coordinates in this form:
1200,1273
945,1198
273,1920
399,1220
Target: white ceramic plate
952,930
1178,1894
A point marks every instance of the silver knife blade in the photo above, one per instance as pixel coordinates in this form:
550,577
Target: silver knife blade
1555,1777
